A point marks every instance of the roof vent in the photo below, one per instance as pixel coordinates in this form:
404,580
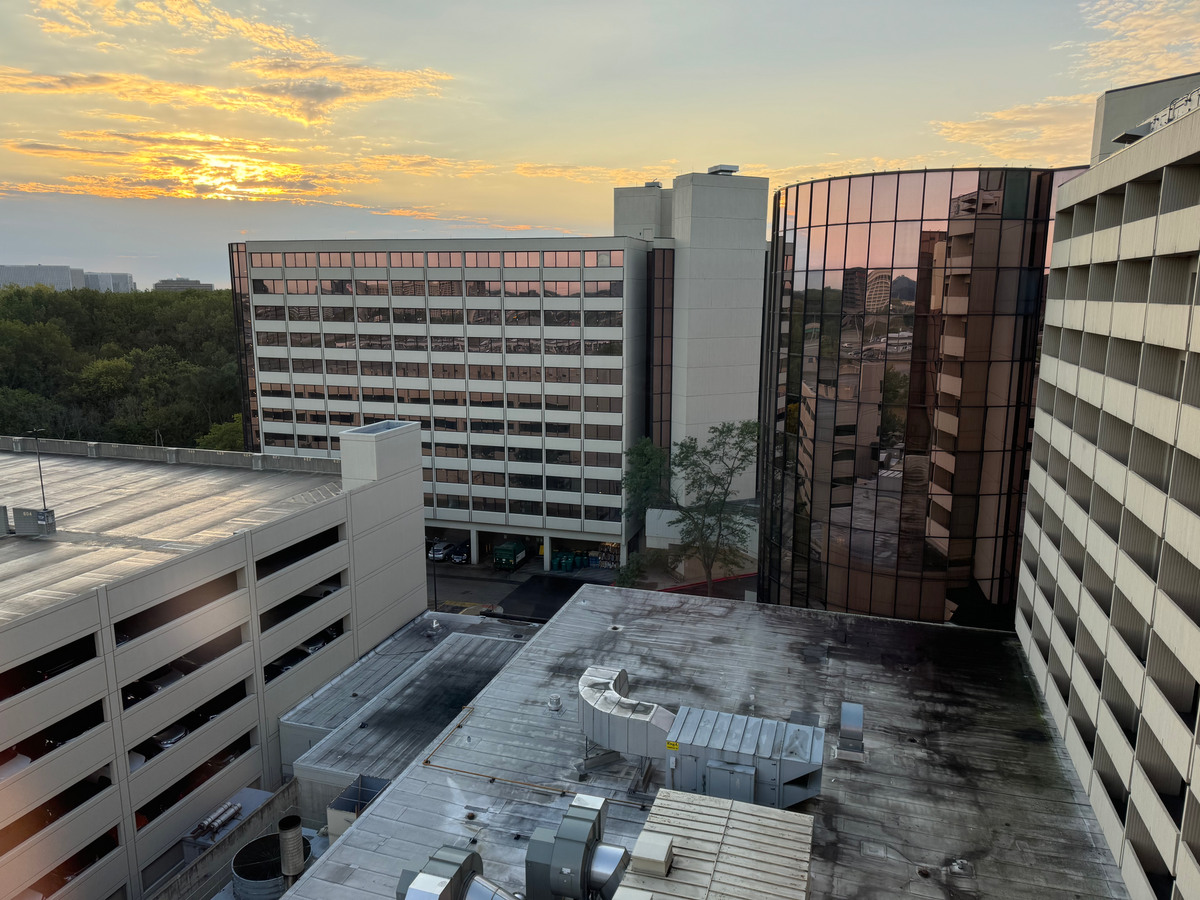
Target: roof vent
656,184
724,169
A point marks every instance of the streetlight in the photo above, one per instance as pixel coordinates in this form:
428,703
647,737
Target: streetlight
38,447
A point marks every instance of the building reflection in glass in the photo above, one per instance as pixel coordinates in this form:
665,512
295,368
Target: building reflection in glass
900,344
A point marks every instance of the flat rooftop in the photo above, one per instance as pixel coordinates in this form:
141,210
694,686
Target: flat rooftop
966,789
115,517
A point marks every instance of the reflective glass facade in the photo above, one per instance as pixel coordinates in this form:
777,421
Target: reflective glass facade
901,332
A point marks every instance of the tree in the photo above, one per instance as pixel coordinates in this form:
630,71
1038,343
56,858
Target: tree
225,436
696,484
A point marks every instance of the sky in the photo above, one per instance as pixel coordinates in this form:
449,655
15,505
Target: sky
145,136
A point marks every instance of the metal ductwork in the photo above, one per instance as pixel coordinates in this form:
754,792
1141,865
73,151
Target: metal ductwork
291,848
574,862
609,718
449,874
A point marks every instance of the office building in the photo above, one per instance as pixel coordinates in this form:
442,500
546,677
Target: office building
899,351
532,364
65,278
181,284
1122,114
150,645
117,282
1109,596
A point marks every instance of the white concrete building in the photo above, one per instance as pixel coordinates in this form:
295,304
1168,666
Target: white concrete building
61,278
149,646
1109,591
532,364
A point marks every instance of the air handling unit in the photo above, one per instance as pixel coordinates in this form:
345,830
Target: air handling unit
719,754
449,874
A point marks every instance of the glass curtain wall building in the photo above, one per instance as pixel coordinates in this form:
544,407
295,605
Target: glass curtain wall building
901,331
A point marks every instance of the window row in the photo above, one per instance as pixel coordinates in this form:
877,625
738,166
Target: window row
438,343
595,459
1170,373
1161,279
455,288
525,480
463,426
369,368
524,507
552,402
453,259
419,315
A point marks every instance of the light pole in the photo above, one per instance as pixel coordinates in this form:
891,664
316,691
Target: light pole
38,448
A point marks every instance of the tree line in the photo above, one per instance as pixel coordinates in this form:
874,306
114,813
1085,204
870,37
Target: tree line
153,367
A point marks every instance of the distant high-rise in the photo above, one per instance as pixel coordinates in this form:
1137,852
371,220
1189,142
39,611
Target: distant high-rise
65,278
117,282
181,284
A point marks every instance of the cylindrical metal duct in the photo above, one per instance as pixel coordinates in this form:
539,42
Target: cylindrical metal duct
606,869
257,874
479,888
291,847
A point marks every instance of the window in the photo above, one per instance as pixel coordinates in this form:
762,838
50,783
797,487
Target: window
271,364
335,259
374,342
523,345
602,432
484,345
559,483
487,504
308,286
479,398
602,289
524,373
429,499
562,429
272,439
311,417
409,316
522,289
602,348
525,454
483,289
343,392
375,367
444,260
561,289
476,260
378,395
275,390
410,369
525,480
306,366
341,367
522,317
276,415
602,318
310,392
446,344
453,476
563,510
603,376
562,318
371,260
305,339
487,373
370,418
484,452
522,259
271,338
371,288
445,289
524,401
452,451
561,402
487,426
445,316
562,457
268,286
603,486
304,314
266,260
410,342
337,313
483,317
525,429
602,513
408,288
337,286
602,404
593,259
339,341
450,398
561,375
495,479
451,501
408,260
525,507
300,260
269,313
441,423
343,418
562,346
561,259
448,370
373,314
412,395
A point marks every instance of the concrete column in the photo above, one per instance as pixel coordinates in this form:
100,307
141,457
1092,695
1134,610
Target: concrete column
546,552
474,546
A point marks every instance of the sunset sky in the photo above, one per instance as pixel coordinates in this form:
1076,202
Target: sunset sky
144,136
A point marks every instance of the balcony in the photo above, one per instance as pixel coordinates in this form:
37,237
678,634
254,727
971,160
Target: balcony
1171,731
1159,822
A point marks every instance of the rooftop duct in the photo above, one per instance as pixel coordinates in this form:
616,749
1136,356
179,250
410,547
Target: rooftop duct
723,169
449,874
574,862
609,718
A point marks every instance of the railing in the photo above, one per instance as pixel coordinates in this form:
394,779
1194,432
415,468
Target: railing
172,455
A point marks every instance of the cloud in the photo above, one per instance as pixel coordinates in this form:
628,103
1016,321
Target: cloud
598,174
1055,131
61,151
426,166
1144,40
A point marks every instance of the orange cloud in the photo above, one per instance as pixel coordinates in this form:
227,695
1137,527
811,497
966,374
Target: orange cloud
1055,131
598,174
426,166
1146,40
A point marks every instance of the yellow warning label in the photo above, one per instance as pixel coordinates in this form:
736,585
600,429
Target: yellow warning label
672,745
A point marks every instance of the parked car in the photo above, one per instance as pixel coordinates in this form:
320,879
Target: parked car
162,678
135,692
186,665
11,762
461,555
170,736
316,642
288,661
440,551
